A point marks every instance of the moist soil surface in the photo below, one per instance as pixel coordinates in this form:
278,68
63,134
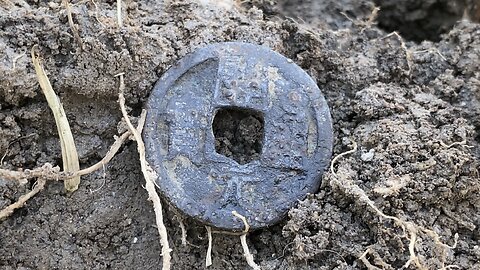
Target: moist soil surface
410,102
238,134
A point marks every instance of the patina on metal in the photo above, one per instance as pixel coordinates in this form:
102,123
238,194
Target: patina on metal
270,96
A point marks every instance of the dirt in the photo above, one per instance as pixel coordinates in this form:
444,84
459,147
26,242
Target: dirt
419,20
238,134
412,106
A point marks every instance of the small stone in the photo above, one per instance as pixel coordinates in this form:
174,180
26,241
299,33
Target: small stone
368,156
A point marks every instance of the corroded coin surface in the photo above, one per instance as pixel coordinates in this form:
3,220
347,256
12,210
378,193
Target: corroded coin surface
237,127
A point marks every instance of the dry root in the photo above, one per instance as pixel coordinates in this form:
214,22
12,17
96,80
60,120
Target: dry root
72,25
150,177
11,143
243,240
48,172
411,231
371,19
365,261
364,24
16,58
96,13
335,159
7,211
462,143
208,259
432,50
119,14
408,53
184,232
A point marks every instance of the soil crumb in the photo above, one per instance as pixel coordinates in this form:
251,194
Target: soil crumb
238,134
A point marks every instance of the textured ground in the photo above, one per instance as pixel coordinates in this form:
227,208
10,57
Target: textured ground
412,108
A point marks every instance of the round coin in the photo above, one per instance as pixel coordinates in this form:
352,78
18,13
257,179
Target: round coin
237,127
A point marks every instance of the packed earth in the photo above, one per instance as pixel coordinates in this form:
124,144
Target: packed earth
401,78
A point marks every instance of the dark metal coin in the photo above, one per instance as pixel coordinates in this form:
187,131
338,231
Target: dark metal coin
237,127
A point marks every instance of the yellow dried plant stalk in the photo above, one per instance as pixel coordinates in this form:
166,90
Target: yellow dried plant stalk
69,151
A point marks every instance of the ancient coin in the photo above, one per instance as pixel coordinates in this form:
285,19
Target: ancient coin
237,127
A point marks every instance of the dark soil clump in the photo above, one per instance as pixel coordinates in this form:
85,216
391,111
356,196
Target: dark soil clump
238,134
420,20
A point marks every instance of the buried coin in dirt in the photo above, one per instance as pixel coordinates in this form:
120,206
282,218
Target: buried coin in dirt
237,127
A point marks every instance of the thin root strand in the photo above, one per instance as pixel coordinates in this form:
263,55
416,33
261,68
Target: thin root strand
150,177
208,259
7,211
72,25
243,240
335,159
410,229
408,53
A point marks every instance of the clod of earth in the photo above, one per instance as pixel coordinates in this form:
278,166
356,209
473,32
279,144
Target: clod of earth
237,127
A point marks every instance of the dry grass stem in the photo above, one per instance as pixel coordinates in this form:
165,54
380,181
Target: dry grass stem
150,176
69,151
243,240
208,259
7,211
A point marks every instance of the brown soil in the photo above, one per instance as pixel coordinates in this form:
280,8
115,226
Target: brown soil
238,134
404,108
